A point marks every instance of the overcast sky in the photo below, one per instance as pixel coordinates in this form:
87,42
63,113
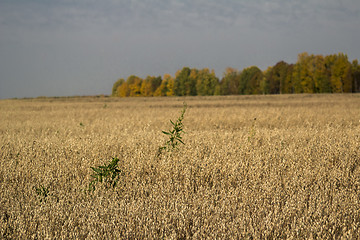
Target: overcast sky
67,47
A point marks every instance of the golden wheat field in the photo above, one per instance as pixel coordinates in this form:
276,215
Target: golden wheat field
252,167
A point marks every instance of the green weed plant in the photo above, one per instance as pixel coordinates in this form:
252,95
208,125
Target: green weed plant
175,134
107,174
43,192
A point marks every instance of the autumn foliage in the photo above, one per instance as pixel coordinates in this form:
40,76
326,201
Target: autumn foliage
310,74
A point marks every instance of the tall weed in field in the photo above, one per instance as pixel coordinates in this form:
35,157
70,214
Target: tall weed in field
175,134
107,174
43,192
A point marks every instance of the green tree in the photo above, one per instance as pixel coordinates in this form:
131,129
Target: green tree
296,79
116,85
185,85
206,82
310,74
306,72
180,79
155,83
163,88
149,85
250,79
264,83
341,74
279,78
329,62
190,84
283,72
303,81
319,74
287,85
356,76
230,82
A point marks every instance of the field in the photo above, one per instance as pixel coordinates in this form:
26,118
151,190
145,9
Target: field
252,167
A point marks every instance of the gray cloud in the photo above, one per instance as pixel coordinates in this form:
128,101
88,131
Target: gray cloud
82,47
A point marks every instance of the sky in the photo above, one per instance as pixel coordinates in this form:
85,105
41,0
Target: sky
75,48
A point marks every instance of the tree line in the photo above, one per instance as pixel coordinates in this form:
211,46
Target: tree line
310,74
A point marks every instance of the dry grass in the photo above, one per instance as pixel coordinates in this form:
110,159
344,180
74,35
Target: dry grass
294,172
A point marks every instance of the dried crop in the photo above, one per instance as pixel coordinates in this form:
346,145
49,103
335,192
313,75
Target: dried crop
294,172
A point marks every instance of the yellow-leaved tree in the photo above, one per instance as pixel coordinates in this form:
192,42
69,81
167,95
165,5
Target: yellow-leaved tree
341,74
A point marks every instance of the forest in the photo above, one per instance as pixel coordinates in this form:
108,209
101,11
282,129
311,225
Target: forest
310,74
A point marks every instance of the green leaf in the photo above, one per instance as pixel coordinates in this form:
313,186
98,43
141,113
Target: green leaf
96,170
